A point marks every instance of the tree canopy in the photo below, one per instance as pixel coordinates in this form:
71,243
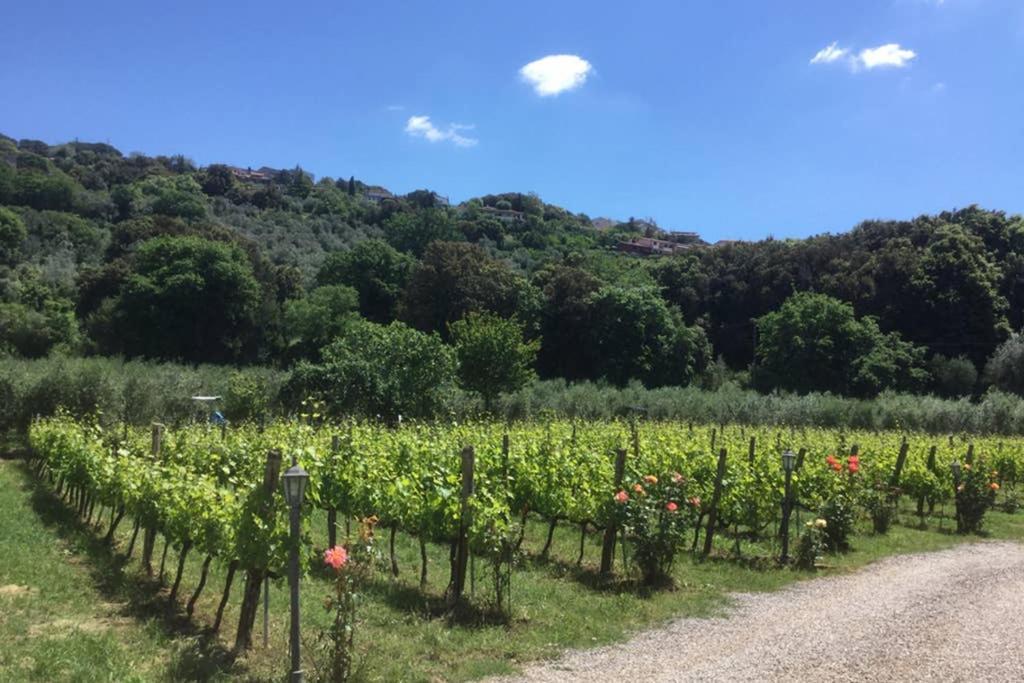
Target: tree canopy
107,253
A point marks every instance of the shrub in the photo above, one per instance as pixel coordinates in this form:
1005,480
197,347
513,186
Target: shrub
975,494
811,544
953,377
655,515
879,500
352,567
1005,369
838,509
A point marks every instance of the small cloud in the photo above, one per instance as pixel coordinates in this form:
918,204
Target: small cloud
829,54
422,127
395,107
888,55
556,74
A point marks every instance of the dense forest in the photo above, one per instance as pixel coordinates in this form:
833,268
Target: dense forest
156,258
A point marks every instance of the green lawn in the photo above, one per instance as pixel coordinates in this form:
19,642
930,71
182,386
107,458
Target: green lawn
73,609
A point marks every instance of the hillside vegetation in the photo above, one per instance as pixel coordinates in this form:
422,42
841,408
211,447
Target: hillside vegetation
155,258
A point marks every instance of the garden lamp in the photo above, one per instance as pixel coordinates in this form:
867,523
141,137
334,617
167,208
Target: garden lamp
295,480
954,467
788,461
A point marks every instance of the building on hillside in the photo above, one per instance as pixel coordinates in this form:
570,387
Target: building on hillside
504,215
440,200
648,246
251,176
377,194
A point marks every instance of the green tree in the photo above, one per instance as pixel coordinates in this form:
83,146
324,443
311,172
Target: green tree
411,232
634,334
313,321
217,180
455,279
34,332
12,234
953,377
386,370
1005,369
959,285
492,357
188,298
376,270
563,321
815,343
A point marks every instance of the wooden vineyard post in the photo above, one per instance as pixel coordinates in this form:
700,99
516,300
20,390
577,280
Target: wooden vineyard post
332,513
969,458
752,451
801,454
709,535
901,460
714,433
460,555
932,467
149,536
254,576
608,545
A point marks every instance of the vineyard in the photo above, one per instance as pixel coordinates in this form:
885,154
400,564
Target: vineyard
478,488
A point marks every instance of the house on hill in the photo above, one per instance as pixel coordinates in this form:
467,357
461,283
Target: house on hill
377,194
250,176
504,215
649,246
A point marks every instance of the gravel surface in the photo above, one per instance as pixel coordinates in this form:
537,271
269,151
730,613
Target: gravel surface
954,615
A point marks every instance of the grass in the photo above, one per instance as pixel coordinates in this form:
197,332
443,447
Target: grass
74,609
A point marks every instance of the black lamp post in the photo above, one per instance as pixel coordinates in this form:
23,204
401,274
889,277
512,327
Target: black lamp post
295,480
954,467
788,464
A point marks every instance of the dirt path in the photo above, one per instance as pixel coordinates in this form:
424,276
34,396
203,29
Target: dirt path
955,615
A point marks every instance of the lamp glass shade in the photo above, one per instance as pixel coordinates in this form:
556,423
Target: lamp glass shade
295,479
788,461
954,467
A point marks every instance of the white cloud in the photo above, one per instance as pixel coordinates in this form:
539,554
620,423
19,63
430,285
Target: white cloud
888,55
829,54
556,74
423,127
939,87
395,107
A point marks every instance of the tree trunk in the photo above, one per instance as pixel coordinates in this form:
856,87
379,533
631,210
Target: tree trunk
391,550
163,560
250,606
551,536
148,543
423,563
522,529
232,567
583,539
115,520
135,533
199,588
181,568
332,527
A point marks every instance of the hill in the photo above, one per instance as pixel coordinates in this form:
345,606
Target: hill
141,256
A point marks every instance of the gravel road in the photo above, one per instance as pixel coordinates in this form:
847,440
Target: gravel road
954,615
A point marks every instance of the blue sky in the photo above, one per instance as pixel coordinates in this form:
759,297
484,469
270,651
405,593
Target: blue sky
736,119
